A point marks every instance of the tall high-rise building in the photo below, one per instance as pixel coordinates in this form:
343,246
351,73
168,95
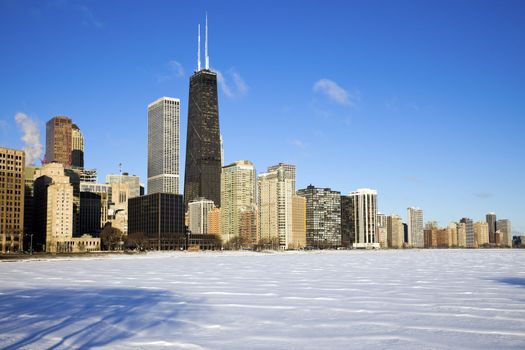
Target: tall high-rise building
491,221
238,195
505,229
462,234
53,209
469,232
323,216
395,231
202,176
12,174
163,145
363,218
77,147
481,234
415,227
59,140
275,192
347,232
382,230
298,240
214,221
453,234
198,211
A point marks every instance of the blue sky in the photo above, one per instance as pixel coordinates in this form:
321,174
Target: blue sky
422,100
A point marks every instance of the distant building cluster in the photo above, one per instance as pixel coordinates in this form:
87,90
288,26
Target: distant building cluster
59,207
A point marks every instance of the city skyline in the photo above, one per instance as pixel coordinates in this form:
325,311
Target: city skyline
453,189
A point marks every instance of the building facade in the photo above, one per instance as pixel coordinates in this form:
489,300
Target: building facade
163,145
505,229
12,195
133,182
275,191
469,232
363,216
59,140
415,227
481,234
202,176
198,211
395,231
298,240
238,196
491,221
323,217
159,218
382,230
77,147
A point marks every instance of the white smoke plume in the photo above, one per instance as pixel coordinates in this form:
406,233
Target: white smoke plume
31,138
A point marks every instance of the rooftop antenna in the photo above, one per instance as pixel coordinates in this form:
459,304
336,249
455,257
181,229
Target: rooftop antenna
199,48
206,45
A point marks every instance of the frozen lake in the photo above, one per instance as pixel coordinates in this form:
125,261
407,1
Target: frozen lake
426,299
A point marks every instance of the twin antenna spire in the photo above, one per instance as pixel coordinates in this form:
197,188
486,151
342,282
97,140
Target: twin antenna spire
206,57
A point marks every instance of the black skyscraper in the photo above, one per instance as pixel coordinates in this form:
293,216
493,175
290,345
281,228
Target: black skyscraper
202,176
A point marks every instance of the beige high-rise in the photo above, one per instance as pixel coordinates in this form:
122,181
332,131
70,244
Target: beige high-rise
462,235
395,231
276,189
298,239
59,207
12,169
214,221
453,234
238,195
481,234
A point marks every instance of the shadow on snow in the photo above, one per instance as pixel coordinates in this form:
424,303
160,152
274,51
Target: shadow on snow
516,281
86,318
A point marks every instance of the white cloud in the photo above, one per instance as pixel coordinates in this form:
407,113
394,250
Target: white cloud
3,125
333,91
31,137
231,83
298,143
177,68
223,84
239,83
89,18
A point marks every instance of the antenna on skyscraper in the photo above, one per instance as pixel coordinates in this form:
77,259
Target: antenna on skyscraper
207,58
199,47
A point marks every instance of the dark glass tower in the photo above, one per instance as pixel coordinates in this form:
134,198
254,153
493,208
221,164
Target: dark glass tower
202,176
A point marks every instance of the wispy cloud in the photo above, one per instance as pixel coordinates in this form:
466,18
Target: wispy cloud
298,143
176,68
483,195
333,91
31,137
89,18
231,83
3,125
225,88
239,83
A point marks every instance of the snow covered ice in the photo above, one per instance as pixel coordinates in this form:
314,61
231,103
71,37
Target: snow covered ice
395,299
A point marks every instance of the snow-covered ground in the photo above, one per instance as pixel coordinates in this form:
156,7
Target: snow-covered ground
426,299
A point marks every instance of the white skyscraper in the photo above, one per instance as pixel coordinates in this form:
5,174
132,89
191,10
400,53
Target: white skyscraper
198,212
416,236
163,145
364,218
